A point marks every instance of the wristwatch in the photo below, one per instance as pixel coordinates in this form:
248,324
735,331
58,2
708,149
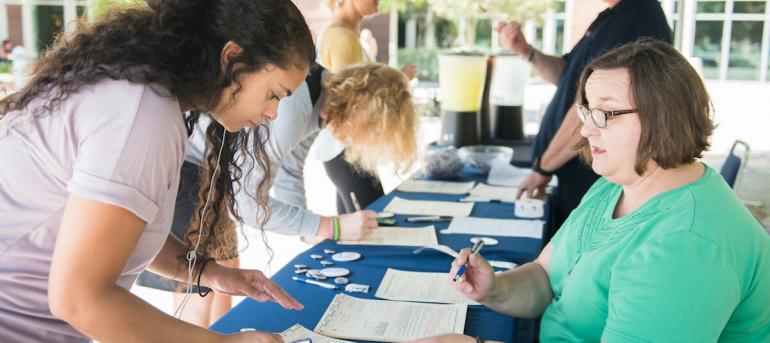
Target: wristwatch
536,168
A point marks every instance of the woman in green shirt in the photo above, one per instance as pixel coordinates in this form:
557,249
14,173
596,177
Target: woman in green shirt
660,248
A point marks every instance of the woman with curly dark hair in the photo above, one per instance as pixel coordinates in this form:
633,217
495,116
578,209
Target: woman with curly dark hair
92,148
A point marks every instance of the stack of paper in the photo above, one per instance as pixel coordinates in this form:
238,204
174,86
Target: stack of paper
505,194
504,174
389,321
429,208
298,332
420,287
401,236
440,187
496,227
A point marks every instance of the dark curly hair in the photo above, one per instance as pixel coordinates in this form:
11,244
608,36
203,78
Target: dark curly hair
175,46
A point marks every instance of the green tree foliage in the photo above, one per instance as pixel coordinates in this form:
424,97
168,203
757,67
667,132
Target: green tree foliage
100,7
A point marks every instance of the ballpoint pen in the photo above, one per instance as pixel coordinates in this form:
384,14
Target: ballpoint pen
313,282
475,251
428,219
354,199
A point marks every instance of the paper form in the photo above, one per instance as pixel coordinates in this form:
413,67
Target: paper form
401,236
298,332
496,227
504,174
505,194
389,321
429,208
441,187
420,287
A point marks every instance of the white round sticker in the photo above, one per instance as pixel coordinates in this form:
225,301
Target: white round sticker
335,272
346,256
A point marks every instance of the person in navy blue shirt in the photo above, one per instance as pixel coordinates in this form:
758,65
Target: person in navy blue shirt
553,151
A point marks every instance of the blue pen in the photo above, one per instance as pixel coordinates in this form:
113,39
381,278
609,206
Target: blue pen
475,251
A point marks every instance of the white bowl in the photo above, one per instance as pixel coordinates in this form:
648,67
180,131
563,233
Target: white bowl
482,157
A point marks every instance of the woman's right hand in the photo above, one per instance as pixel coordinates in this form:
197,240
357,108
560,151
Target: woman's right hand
252,337
357,225
479,279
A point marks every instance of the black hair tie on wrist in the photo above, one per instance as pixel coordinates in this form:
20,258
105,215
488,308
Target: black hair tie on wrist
203,265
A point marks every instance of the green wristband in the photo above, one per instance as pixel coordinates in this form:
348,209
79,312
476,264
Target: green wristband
336,228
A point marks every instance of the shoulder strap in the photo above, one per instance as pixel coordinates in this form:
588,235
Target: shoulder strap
314,82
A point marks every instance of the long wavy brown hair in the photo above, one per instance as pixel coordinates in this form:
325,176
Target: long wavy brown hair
175,46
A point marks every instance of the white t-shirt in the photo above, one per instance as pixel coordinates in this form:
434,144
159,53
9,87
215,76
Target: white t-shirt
116,142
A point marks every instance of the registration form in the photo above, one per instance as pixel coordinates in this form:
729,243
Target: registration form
496,227
429,208
389,321
440,187
400,236
420,287
505,194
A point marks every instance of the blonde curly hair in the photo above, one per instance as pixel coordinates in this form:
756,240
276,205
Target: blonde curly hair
369,108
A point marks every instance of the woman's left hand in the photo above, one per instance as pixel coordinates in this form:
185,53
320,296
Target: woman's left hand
248,282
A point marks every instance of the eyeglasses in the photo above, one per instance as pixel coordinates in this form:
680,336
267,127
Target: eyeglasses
599,117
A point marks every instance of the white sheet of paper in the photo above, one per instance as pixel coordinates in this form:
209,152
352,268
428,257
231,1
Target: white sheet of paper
505,194
440,187
389,321
298,332
429,208
401,236
504,174
496,227
420,287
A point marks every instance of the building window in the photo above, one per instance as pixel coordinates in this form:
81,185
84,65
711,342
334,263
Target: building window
710,6
708,46
745,50
82,12
749,7
537,41
48,23
559,49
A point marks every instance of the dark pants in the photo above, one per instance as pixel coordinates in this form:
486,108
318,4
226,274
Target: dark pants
574,181
367,187
189,183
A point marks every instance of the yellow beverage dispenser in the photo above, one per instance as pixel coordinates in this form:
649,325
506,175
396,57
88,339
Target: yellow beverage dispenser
461,79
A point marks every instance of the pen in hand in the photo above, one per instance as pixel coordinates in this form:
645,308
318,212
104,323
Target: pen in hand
475,251
354,199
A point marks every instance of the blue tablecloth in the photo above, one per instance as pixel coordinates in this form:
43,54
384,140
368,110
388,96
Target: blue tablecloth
369,270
